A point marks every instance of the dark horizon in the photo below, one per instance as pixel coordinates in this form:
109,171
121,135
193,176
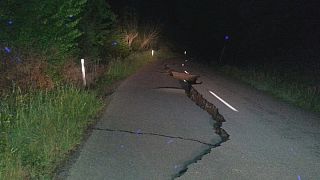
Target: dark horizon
258,31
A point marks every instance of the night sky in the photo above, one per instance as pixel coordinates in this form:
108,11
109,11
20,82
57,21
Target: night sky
259,31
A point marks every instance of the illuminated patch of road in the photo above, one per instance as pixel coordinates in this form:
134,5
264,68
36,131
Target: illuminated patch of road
223,101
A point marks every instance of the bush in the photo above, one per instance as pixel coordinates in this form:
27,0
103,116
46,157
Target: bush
98,25
149,37
48,27
116,47
136,34
53,30
31,73
129,25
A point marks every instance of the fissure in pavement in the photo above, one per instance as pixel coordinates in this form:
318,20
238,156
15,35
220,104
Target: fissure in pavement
153,134
218,119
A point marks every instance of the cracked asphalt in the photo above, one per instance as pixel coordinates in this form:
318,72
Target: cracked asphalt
153,133
269,139
146,132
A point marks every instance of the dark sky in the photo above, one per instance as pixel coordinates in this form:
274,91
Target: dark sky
257,28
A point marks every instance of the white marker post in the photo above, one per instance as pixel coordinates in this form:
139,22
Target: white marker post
83,73
152,52
185,55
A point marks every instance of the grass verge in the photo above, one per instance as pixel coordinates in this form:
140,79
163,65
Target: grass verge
296,92
39,128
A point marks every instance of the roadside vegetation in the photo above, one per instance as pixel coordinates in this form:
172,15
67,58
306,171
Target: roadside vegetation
296,87
44,108
38,128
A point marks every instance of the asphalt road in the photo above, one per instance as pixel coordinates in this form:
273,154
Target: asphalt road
152,130
148,131
269,139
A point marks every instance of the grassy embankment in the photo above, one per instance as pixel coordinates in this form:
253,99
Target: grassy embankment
292,87
38,129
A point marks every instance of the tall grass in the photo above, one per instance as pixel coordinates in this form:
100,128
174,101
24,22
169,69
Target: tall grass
297,92
39,128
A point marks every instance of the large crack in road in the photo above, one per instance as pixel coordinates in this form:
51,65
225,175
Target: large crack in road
200,101
217,118
97,151
168,116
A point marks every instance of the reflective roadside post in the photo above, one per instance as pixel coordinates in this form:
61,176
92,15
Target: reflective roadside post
185,56
83,73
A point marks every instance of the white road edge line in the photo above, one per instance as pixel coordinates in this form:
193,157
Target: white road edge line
224,102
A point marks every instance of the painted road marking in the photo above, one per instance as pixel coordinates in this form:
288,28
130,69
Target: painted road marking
224,102
186,72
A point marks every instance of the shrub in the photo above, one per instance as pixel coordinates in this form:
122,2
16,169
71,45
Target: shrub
49,27
30,72
116,46
98,25
150,34
136,34
129,25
